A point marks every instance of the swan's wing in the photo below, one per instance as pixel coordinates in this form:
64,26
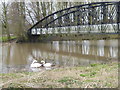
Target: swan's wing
36,65
47,64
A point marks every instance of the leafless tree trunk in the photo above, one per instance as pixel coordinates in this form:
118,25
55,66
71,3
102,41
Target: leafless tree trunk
22,18
5,26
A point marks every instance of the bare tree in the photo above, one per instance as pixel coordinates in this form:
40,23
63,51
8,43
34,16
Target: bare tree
17,18
5,27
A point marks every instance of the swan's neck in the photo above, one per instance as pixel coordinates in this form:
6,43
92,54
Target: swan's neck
43,62
33,62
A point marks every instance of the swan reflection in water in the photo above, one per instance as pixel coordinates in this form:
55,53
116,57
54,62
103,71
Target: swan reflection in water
36,69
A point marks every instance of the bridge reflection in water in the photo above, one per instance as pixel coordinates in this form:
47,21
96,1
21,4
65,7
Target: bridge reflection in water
62,53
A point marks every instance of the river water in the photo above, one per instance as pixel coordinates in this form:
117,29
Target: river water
18,57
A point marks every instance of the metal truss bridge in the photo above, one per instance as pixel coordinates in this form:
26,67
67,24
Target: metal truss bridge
95,18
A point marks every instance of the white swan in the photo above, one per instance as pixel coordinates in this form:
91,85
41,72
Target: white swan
35,64
47,65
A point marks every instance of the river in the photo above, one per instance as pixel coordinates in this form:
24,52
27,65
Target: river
18,57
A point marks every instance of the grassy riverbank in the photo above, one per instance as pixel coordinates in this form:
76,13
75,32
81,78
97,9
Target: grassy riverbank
94,76
61,37
5,39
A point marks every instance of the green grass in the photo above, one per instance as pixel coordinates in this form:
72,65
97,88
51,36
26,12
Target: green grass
66,80
91,74
5,39
93,65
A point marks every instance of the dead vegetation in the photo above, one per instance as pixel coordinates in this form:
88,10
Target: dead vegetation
94,76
